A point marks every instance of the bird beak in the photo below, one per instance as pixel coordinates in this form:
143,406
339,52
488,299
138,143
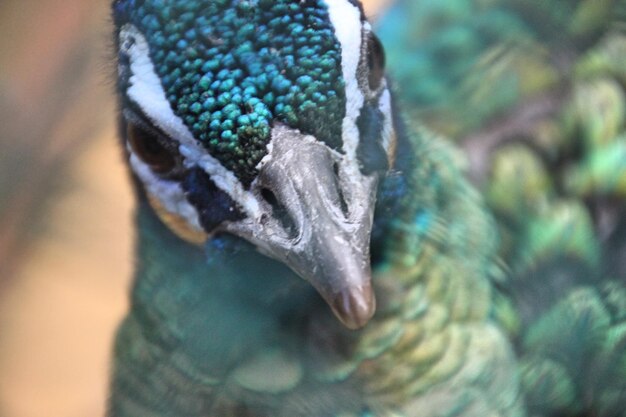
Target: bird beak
317,219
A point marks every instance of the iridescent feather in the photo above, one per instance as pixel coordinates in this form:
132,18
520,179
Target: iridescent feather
539,108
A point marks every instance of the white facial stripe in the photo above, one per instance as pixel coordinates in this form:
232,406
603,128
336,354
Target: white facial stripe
145,87
170,193
384,105
147,92
346,19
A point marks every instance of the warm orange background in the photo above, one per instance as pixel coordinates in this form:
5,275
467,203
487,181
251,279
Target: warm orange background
65,208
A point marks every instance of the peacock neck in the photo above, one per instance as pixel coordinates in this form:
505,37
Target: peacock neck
221,303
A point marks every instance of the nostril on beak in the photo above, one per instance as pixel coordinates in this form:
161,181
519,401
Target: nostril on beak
280,213
342,199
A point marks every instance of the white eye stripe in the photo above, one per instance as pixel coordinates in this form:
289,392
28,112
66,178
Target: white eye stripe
350,31
384,104
146,91
145,88
170,193
346,20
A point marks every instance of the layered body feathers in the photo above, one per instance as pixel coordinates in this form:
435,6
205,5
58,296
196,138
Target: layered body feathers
517,314
544,134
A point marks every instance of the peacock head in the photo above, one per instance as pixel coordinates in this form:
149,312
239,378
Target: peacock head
266,119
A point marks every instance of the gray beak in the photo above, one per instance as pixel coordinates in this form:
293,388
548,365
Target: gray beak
317,213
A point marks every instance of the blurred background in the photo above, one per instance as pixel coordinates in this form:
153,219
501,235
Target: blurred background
65,208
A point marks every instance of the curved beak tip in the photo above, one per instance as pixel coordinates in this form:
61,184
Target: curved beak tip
354,306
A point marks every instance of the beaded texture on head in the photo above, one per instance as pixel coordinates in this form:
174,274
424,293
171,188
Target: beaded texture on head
231,68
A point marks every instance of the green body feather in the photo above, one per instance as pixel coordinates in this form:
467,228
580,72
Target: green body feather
545,133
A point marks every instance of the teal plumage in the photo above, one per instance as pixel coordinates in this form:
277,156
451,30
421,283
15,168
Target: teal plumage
546,158
508,304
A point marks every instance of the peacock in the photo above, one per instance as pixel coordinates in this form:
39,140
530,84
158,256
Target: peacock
316,238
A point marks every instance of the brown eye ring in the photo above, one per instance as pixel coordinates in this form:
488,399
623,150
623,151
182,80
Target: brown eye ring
149,149
375,61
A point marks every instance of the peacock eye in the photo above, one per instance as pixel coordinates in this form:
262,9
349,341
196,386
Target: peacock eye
148,148
375,61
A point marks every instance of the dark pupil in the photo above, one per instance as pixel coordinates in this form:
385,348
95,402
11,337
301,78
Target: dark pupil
375,61
147,147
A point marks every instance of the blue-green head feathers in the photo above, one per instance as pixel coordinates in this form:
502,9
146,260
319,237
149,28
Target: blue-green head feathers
230,69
